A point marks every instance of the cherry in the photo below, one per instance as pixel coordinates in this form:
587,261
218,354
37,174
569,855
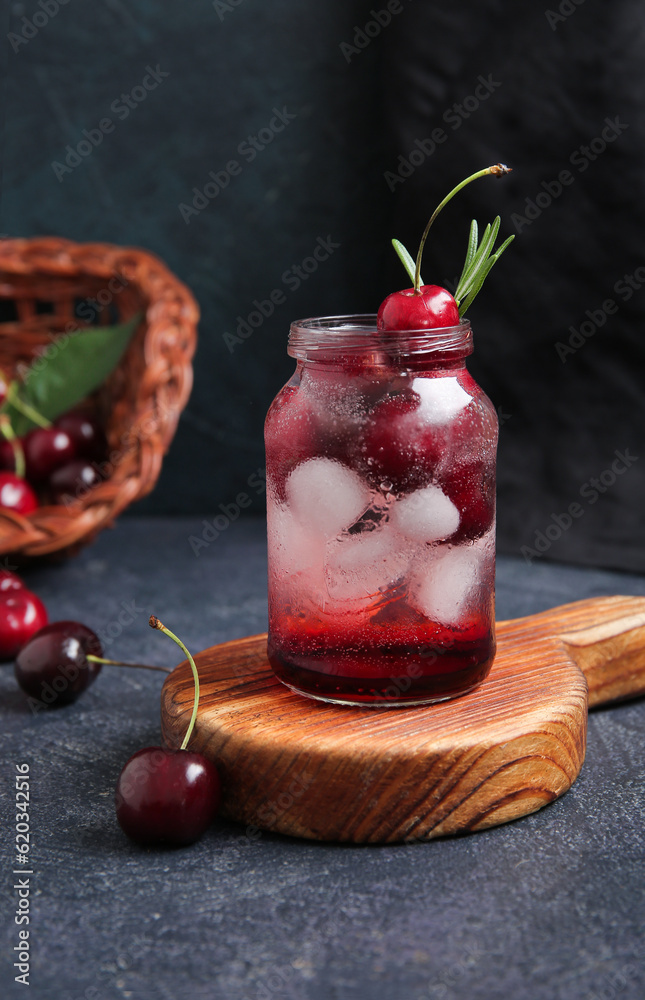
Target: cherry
53,667
165,796
71,482
471,488
86,433
429,308
10,581
21,615
16,494
4,388
47,448
396,446
291,434
7,455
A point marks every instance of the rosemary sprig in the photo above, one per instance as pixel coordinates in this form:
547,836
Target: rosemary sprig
479,263
481,256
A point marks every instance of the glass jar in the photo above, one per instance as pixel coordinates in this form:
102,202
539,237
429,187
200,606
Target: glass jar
380,456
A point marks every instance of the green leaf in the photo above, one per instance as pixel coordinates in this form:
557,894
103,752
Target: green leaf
476,262
72,367
406,259
485,247
500,250
481,276
470,252
475,273
472,243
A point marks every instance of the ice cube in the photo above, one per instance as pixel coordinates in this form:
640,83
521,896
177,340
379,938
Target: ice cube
426,515
296,557
443,587
325,496
441,399
363,566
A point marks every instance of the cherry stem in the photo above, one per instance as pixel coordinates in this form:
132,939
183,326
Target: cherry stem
155,623
18,452
122,663
497,170
25,408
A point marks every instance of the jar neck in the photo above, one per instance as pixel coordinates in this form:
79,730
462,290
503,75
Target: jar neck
345,341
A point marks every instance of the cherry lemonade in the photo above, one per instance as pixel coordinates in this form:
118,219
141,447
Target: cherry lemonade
381,497
381,516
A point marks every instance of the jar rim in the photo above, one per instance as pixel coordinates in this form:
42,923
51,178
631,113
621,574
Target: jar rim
358,333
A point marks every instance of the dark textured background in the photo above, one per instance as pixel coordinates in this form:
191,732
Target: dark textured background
324,175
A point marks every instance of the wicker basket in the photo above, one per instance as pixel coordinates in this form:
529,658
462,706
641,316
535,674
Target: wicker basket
42,283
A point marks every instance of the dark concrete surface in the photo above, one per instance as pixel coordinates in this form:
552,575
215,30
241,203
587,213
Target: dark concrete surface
548,908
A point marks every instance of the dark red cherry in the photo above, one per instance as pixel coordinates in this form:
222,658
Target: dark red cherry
53,666
86,433
10,581
21,615
429,308
73,481
291,434
4,388
396,446
471,487
7,457
167,797
46,449
16,494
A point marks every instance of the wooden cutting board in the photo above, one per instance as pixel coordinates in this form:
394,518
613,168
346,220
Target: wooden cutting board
365,775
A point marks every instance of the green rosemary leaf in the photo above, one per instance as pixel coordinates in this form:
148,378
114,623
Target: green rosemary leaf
488,241
406,259
470,252
482,274
482,255
500,251
479,257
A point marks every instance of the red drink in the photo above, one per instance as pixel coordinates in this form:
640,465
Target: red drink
381,516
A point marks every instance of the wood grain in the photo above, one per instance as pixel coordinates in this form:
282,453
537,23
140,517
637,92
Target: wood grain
364,775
